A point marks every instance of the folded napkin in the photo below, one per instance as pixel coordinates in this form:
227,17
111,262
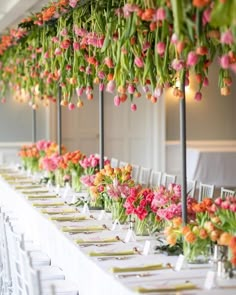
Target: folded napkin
107,240
35,197
44,205
68,218
138,268
20,187
73,229
29,192
115,253
171,288
58,210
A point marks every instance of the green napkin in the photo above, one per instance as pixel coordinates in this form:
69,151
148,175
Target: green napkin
62,211
108,240
116,253
172,288
138,268
20,187
68,218
48,204
73,229
34,192
35,197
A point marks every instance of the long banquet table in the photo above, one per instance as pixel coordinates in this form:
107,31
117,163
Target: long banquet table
212,165
93,276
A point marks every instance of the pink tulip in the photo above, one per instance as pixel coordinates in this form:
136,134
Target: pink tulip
76,46
101,86
55,39
71,106
73,3
108,61
68,67
198,96
174,39
160,48
205,82
146,46
139,62
79,31
131,88
111,85
227,38
225,205
177,64
192,59
145,89
3,100
82,69
225,61
116,100
133,107
233,207
64,32
206,16
57,51
65,44
79,91
218,201
101,75
160,14
46,54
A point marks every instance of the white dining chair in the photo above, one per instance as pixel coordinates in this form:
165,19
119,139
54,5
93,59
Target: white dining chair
114,163
22,269
155,178
123,164
144,176
168,179
205,191
191,187
135,172
226,192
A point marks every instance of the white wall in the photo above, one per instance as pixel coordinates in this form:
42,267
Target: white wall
16,122
213,118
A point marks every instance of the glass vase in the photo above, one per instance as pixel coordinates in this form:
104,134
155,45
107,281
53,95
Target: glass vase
96,203
197,252
147,226
107,202
75,181
59,180
118,211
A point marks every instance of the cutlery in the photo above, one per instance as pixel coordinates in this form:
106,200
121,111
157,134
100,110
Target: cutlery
113,258
136,275
96,245
84,232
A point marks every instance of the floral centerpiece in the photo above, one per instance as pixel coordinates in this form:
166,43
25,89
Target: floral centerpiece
30,157
201,231
91,166
140,204
72,168
112,185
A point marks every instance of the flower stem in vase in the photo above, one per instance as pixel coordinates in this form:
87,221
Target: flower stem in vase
118,212
197,252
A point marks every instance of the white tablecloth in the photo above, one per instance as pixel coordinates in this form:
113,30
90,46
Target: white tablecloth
212,165
92,276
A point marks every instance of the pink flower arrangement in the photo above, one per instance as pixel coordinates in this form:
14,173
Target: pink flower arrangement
91,164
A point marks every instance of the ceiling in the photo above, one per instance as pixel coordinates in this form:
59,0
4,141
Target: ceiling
12,11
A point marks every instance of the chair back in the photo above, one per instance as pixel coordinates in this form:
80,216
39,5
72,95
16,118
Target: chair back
226,192
205,191
155,178
123,164
168,179
114,163
191,187
135,172
144,177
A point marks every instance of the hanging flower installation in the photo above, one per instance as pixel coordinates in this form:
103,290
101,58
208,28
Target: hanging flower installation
119,45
